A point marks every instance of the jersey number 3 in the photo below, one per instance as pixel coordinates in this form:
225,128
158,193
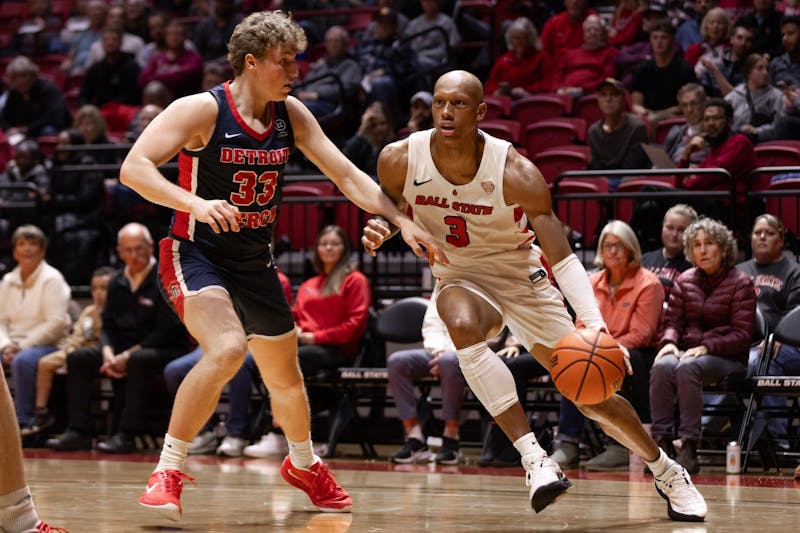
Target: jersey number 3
248,182
458,235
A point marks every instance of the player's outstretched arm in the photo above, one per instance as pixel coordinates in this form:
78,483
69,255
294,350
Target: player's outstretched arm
392,169
353,182
187,122
525,185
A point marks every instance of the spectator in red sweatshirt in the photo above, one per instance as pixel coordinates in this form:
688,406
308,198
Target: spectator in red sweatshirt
525,68
583,69
564,31
732,152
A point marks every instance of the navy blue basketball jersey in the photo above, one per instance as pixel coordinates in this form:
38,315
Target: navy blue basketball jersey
246,169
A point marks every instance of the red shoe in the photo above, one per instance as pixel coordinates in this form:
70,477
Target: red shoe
163,493
318,483
41,527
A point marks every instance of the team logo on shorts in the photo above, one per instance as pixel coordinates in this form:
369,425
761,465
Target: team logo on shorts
488,186
174,291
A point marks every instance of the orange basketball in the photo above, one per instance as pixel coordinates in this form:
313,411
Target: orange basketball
588,366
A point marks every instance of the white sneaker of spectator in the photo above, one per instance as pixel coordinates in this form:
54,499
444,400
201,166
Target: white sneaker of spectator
205,442
270,445
231,447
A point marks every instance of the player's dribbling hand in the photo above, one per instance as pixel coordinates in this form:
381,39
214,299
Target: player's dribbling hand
218,214
627,358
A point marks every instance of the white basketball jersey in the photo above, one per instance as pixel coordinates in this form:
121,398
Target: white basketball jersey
470,222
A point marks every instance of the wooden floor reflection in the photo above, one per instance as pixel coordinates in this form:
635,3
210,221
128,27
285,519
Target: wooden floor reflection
89,493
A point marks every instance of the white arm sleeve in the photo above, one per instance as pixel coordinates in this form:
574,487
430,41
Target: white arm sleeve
574,284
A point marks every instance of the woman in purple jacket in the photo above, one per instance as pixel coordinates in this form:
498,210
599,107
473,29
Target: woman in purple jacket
706,336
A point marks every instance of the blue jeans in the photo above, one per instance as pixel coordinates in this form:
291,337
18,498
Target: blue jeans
239,387
24,367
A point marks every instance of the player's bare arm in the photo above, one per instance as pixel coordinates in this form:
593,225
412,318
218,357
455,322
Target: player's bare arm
524,185
188,122
353,182
392,170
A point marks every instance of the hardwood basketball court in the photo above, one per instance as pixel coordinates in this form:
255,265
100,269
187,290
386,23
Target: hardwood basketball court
91,493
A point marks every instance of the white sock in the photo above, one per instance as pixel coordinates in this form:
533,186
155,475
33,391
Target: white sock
173,454
660,465
528,445
416,433
17,512
302,453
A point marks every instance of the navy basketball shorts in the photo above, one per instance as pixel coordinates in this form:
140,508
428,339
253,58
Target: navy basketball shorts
257,295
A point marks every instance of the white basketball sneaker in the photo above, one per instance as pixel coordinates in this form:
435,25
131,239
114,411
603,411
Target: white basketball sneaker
546,480
231,447
270,445
684,501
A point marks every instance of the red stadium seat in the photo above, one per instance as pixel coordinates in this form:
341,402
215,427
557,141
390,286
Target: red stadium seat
498,107
118,116
301,221
775,154
553,162
13,10
508,130
587,108
786,208
537,107
664,126
553,132
582,215
623,208
352,220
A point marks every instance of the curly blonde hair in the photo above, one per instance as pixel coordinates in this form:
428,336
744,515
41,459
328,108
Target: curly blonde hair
259,32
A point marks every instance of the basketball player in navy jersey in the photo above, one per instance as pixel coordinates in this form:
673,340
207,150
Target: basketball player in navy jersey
216,268
476,195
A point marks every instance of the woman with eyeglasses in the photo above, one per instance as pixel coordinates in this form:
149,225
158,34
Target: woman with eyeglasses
630,299
708,327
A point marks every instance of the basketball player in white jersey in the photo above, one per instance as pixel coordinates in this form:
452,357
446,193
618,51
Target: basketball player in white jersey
476,195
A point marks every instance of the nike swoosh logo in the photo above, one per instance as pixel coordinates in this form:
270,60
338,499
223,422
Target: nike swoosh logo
298,478
150,489
422,181
231,135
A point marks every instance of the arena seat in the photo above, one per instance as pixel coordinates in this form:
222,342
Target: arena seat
508,130
498,107
554,161
538,107
623,207
301,221
660,135
786,208
581,215
553,132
